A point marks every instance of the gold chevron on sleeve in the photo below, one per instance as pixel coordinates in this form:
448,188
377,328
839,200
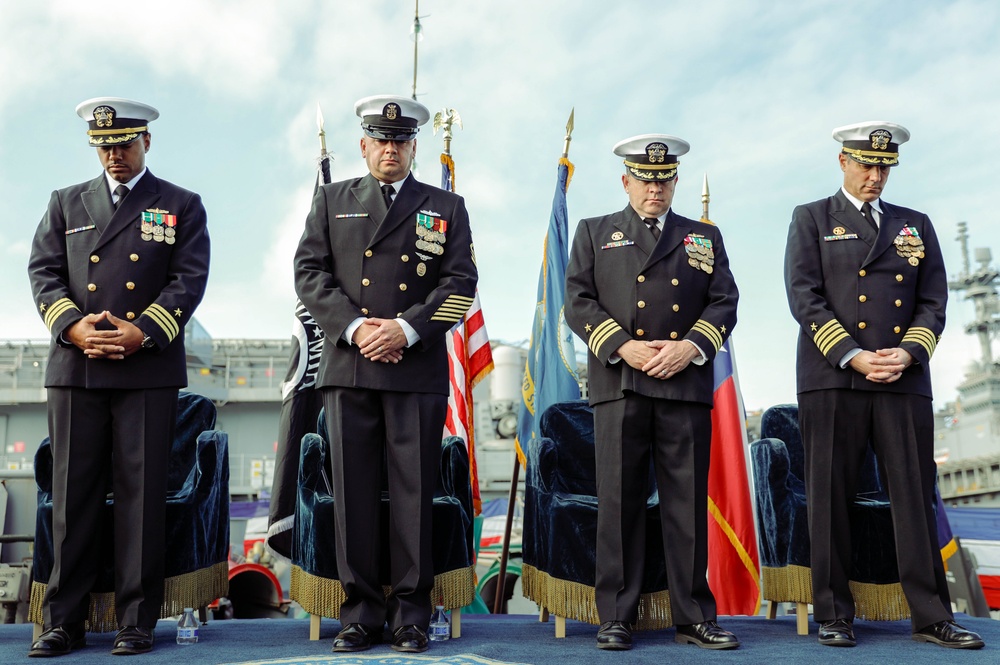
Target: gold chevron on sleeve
925,337
829,335
453,308
709,331
57,309
162,318
601,334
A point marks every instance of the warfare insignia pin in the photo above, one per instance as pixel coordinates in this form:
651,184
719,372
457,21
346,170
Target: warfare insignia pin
880,139
421,269
839,231
617,235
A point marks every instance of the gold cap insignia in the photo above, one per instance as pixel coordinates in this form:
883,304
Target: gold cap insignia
104,116
391,111
656,152
880,139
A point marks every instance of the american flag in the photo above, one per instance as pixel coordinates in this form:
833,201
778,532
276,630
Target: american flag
470,359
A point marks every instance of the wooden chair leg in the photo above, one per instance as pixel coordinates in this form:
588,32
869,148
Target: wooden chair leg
802,618
560,626
772,609
456,623
543,615
314,626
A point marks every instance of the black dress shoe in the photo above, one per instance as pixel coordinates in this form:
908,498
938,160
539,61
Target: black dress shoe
409,639
132,640
354,637
614,636
58,641
707,635
837,633
949,634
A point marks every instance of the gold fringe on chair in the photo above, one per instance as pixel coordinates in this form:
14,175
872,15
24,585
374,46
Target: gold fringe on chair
874,602
880,602
323,596
791,584
195,589
573,600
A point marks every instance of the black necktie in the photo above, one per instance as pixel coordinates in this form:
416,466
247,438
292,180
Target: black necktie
653,228
121,191
387,192
866,212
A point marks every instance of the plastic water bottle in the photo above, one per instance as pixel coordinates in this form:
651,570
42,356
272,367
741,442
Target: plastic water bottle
187,627
440,628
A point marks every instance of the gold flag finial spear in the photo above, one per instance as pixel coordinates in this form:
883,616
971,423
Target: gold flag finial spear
444,119
704,199
322,133
569,133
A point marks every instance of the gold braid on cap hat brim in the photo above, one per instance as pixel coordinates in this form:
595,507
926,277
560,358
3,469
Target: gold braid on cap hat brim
871,157
659,171
115,136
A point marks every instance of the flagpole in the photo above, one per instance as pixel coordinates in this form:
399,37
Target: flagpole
501,587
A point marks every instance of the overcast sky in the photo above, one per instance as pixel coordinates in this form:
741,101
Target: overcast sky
754,86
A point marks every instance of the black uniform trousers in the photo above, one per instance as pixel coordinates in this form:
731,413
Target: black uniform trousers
372,430
126,434
678,436
837,425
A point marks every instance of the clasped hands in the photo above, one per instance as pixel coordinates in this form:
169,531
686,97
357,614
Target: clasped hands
883,365
660,359
381,340
116,344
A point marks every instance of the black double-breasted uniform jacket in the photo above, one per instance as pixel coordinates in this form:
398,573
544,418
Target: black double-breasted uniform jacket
849,287
624,284
355,260
88,257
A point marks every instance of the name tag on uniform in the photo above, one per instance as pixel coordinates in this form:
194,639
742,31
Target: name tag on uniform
80,228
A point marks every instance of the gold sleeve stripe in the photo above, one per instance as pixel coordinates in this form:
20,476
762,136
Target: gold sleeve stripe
163,319
57,309
451,318
601,334
829,336
924,337
709,331
453,308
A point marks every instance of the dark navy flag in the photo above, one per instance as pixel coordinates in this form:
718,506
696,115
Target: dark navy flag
300,407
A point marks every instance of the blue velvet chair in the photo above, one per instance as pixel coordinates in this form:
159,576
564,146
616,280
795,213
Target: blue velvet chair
782,521
197,522
314,580
560,525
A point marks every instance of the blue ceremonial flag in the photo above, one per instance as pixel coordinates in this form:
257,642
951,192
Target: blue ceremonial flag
550,373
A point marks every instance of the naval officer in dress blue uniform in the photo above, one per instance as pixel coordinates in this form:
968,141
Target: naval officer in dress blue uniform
867,285
117,267
386,266
651,294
